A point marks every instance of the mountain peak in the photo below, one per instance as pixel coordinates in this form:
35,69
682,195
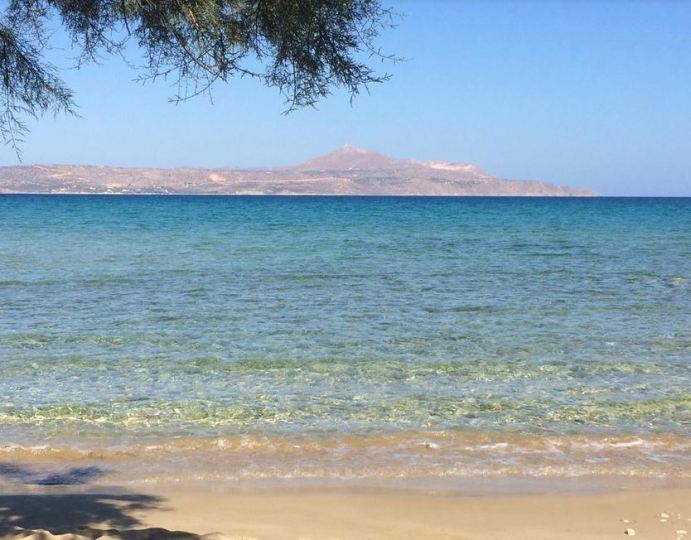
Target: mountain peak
350,149
349,157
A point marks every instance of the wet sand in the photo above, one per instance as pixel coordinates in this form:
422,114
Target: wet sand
341,513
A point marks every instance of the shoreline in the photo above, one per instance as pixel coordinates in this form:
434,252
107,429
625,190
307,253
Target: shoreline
450,461
329,195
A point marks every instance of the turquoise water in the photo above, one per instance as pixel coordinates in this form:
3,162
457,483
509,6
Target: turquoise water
209,318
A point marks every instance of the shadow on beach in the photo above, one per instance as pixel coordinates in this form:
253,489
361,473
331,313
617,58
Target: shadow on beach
71,511
41,516
75,476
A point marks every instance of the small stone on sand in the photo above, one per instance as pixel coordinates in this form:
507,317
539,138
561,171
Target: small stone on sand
630,532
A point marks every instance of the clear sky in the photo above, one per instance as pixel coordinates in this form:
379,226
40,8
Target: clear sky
594,94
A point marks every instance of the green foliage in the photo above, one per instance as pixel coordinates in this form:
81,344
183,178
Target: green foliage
303,47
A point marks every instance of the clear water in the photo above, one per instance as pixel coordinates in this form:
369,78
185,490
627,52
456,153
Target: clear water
465,321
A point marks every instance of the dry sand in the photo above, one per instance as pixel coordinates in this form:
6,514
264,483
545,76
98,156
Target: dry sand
343,513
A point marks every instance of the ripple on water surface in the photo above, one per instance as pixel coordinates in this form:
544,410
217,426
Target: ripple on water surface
214,318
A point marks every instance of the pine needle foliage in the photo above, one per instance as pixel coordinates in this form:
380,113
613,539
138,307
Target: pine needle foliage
305,48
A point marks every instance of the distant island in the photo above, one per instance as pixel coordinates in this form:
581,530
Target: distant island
346,171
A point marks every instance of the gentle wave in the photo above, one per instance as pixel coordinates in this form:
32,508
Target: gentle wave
404,455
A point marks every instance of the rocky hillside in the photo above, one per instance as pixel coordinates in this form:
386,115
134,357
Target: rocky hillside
346,171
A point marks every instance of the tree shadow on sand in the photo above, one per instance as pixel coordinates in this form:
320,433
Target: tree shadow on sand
87,515
71,511
74,476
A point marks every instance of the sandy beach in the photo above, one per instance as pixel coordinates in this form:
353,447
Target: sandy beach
342,513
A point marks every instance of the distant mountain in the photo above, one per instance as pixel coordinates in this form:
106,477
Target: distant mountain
349,157
346,171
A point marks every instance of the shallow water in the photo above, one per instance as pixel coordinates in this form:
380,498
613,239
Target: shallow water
379,336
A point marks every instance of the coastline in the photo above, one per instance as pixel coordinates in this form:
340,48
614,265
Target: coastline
432,459
315,194
86,499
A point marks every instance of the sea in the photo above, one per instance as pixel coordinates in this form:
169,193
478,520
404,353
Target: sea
344,339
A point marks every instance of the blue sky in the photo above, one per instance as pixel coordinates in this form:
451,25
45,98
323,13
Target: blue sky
594,94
